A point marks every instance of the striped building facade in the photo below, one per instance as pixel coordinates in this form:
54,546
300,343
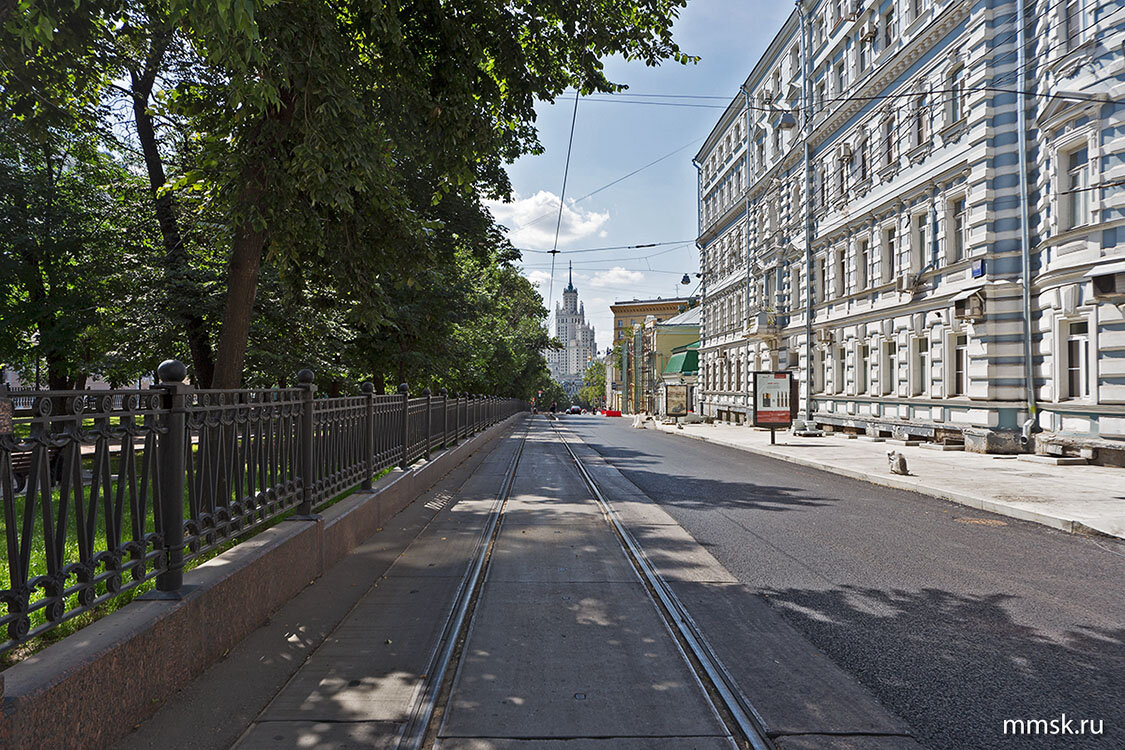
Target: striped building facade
878,214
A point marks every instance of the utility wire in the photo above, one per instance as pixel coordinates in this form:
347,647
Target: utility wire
562,198
614,182
611,247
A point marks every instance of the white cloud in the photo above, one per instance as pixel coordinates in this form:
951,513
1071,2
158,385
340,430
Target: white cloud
617,277
531,221
539,278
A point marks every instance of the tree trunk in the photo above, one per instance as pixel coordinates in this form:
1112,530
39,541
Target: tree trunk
246,258
242,287
176,270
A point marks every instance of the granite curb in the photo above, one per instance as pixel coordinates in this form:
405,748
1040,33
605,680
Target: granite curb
92,687
972,501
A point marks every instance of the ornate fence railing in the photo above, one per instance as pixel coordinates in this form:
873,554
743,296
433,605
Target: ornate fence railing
105,490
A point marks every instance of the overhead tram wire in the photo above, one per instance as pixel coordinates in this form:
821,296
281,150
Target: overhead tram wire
608,185
610,247
562,199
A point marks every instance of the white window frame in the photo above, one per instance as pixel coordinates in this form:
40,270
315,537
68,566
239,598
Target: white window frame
1069,201
1077,13
957,238
862,367
919,232
862,263
888,249
957,94
921,366
888,367
839,368
1085,369
957,384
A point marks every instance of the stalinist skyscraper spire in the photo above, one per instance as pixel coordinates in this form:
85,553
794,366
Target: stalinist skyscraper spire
568,365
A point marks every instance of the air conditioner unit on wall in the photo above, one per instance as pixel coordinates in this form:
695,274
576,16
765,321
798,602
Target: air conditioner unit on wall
971,307
868,31
905,282
1109,285
824,336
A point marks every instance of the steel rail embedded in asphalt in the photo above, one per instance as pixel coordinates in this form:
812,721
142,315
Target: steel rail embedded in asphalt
742,714
417,729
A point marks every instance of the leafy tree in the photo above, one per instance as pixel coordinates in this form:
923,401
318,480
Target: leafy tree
71,263
552,393
310,117
592,393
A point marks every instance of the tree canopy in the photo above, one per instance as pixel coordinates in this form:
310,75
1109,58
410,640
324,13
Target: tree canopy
258,185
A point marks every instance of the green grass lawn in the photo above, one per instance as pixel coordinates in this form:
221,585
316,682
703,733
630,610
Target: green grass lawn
38,558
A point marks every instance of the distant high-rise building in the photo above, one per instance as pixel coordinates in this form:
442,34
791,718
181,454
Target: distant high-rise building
567,365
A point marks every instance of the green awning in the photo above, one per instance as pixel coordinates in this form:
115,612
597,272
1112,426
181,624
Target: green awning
683,363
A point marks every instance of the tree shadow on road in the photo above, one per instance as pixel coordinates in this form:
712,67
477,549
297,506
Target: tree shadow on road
975,667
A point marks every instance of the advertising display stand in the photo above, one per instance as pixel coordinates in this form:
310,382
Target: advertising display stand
772,396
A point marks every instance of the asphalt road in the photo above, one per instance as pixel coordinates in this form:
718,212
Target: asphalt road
954,618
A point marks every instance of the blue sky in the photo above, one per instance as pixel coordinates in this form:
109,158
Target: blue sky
612,139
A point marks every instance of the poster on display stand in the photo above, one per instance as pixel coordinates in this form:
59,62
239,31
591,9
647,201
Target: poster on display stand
772,400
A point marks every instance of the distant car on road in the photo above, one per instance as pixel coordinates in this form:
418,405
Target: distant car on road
574,410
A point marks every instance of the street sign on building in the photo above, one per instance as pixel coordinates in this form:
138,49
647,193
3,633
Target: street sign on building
772,395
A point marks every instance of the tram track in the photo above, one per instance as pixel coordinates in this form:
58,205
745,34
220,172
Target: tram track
423,729
742,719
420,730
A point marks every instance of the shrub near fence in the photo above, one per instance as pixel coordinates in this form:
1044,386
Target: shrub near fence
119,487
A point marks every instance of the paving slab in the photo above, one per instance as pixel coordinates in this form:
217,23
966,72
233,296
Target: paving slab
565,643
1079,498
558,553
573,660
276,651
352,735
372,665
613,743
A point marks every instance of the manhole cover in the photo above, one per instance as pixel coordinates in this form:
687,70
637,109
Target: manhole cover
980,521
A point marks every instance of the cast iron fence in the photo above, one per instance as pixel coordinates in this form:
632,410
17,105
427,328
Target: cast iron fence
105,490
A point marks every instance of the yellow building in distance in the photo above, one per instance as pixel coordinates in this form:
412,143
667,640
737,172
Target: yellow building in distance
629,315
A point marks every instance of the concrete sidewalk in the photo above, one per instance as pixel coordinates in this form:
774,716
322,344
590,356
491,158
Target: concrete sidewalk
1070,498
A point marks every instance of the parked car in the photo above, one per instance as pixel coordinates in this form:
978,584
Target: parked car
574,410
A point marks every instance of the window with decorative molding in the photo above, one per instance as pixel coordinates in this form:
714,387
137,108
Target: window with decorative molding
1076,361
887,257
1075,197
1076,21
920,132
956,86
959,385
862,365
890,28
839,272
890,145
957,240
839,368
888,368
918,242
862,260
920,366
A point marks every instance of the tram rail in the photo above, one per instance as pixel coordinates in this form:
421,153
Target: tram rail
744,725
